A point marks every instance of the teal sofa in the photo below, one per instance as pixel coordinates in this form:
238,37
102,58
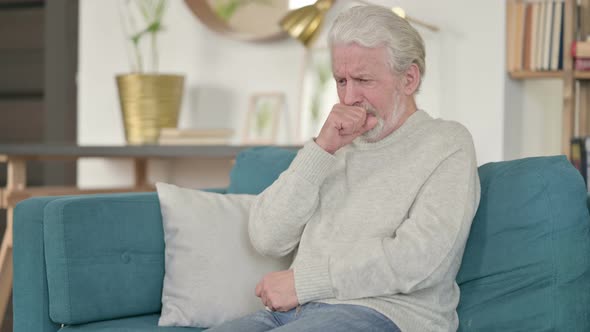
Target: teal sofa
96,263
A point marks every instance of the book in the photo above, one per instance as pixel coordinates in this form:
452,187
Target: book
528,37
194,136
547,34
580,155
582,64
519,37
194,141
534,34
581,49
561,31
541,36
196,133
555,38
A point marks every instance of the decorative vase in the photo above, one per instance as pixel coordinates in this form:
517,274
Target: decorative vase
149,102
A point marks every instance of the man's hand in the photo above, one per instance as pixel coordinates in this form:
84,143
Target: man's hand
344,124
277,291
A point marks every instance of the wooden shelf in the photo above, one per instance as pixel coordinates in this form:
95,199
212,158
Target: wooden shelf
73,152
521,75
20,4
582,75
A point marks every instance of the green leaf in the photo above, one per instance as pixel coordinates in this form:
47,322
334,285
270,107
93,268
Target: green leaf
151,13
160,9
154,27
142,5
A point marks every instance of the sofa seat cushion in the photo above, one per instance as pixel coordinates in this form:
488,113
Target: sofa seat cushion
527,262
147,323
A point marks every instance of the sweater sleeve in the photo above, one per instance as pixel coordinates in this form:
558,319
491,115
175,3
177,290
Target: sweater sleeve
280,213
424,250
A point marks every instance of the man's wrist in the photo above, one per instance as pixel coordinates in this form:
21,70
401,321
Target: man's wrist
313,163
322,145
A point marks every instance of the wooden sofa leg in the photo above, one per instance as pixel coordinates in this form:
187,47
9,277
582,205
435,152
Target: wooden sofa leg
6,266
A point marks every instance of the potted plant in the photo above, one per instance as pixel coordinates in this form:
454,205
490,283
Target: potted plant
149,100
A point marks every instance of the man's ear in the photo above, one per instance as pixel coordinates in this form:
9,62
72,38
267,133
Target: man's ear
411,80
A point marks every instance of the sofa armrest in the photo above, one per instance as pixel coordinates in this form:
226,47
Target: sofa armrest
85,258
30,296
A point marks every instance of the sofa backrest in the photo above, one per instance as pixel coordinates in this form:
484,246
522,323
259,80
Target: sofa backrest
526,266
257,168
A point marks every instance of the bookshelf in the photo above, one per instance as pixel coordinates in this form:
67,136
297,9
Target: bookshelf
576,84
530,74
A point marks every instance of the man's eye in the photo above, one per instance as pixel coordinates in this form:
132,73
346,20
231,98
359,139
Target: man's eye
341,81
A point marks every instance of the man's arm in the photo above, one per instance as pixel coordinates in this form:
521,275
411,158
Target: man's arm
280,213
423,251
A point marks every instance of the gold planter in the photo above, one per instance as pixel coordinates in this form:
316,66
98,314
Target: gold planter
149,102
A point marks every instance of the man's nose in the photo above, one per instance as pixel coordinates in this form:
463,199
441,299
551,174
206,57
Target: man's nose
352,94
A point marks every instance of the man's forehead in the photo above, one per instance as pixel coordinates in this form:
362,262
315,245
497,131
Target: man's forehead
357,51
359,69
353,46
357,58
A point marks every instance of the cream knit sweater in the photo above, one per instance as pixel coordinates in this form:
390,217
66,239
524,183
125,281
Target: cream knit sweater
383,224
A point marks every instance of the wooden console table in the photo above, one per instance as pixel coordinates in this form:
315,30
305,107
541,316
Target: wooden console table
16,190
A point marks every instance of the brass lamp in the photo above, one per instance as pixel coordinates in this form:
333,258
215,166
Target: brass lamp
303,24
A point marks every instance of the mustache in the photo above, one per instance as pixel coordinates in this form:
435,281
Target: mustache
368,108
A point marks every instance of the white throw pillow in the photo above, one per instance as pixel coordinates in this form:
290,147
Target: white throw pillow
211,267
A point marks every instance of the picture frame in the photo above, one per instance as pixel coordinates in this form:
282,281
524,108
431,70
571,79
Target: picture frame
262,121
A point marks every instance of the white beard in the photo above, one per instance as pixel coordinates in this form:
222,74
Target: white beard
375,134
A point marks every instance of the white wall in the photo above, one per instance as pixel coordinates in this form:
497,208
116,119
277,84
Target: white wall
221,74
534,118
471,59
541,114
465,79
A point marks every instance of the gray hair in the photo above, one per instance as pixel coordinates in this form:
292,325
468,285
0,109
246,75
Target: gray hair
374,26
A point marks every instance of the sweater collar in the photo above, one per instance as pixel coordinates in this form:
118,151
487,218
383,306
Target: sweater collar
411,125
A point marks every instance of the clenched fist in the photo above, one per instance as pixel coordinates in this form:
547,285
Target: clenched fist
344,124
277,291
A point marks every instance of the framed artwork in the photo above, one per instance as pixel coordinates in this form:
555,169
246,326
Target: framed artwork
263,118
318,91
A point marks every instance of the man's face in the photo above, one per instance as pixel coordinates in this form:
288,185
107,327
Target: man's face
364,78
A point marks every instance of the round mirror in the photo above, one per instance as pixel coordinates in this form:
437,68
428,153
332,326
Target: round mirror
253,20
